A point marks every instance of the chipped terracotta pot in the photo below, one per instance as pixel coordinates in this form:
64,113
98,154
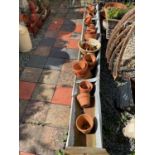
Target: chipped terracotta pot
84,99
90,59
80,68
84,123
85,87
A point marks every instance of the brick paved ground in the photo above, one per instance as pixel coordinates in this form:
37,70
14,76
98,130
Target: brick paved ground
46,81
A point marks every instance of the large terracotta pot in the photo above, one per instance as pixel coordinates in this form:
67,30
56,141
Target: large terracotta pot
90,59
84,99
84,123
85,87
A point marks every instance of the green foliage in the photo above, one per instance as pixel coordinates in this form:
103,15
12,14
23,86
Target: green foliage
59,152
116,13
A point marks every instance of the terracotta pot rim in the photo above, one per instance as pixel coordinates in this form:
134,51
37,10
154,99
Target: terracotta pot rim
81,70
88,84
88,119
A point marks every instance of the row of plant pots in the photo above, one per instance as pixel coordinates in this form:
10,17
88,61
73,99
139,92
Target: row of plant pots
91,31
85,122
83,69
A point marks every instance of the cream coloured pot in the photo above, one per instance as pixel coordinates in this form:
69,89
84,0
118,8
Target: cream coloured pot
25,44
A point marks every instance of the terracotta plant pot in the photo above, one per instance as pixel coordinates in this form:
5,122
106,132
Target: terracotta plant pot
92,26
84,99
84,123
90,59
80,68
85,87
88,20
88,35
32,7
90,9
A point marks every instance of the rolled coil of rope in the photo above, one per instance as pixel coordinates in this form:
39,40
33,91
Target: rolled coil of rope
120,51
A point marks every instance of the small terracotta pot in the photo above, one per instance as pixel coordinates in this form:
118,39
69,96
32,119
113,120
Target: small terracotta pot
88,19
91,9
92,26
84,99
88,35
86,75
90,59
80,68
85,87
84,123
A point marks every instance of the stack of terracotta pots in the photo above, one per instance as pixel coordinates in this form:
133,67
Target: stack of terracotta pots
84,122
38,13
91,30
82,68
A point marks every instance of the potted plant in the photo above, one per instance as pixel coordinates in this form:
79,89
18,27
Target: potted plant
114,11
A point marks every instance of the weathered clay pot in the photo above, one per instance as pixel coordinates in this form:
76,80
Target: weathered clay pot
92,26
84,123
88,19
32,7
80,68
90,9
84,99
88,35
85,87
90,59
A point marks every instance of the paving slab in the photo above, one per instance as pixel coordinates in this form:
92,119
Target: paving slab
26,153
62,95
54,63
64,53
61,43
56,24
68,27
72,43
36,61
42,51
75,36
64,35
58,116
51,34
35,112
49,42
53,138
43,92
66,79
67,66
22,107
29,137
49,77
26,89
31,74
